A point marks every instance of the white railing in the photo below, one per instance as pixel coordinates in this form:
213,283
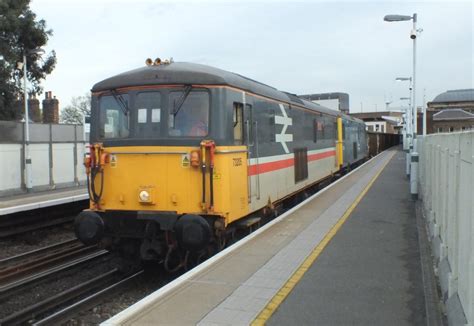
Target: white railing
447,192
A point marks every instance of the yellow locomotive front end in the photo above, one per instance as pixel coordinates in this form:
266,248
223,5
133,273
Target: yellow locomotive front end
193,180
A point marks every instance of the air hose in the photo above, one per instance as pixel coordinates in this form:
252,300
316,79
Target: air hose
91,184
93,163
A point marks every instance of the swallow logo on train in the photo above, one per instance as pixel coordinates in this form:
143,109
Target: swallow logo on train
283,137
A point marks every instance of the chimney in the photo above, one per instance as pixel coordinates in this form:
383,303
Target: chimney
50,109
34,109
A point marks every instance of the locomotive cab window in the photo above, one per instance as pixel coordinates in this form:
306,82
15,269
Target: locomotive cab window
188,114
148,108
238,123
114,116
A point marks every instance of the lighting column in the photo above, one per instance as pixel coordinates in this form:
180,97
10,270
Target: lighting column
28,167
28,174
414,153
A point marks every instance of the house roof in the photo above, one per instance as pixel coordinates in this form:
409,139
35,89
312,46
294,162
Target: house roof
376,115
453,114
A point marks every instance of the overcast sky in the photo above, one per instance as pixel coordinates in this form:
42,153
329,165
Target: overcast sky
299,47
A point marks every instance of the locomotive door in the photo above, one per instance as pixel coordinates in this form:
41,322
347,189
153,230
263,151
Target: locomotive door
251,140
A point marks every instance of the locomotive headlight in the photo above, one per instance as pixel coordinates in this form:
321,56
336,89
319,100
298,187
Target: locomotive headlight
144,196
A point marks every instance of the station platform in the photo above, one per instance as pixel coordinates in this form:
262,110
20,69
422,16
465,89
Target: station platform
347,255
47,198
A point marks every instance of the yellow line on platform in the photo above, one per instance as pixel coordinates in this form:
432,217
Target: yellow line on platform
280,296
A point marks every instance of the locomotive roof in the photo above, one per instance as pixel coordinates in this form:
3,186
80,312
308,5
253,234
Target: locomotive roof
179,73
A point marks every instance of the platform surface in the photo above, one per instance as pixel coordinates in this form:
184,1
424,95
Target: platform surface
367,274
24,202
370,273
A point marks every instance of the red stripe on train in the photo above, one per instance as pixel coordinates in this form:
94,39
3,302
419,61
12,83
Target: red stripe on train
282,164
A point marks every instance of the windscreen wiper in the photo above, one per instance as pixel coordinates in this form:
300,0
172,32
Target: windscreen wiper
177,105
119,99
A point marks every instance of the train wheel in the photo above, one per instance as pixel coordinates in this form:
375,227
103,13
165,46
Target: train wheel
221,242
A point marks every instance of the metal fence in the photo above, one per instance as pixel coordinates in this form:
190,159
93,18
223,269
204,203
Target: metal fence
56,152
447,191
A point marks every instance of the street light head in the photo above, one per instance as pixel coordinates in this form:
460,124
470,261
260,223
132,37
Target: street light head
403,78
404,98
396,18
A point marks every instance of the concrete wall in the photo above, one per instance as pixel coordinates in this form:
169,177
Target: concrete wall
56,153
447,193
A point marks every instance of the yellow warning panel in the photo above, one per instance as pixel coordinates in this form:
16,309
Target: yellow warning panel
185,161
113,161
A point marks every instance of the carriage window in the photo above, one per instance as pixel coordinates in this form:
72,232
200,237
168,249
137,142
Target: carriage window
191,118
315,130
114,120
318,130
148,107
238,124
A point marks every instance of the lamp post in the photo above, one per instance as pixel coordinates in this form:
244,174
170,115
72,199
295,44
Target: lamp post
414,153
28,171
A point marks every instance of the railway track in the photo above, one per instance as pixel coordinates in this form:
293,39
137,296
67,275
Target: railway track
19,274
16,267
27,221
65,304
93,299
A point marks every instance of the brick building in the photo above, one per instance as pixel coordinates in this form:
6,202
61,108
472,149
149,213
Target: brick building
384,121
451,111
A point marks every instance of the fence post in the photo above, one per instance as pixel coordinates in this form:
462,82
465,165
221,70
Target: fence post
50,152
22,157
76,180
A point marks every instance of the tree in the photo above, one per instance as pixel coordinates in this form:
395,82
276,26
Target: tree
74,113
20,33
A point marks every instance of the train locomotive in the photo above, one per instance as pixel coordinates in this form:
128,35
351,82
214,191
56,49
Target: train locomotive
182,153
